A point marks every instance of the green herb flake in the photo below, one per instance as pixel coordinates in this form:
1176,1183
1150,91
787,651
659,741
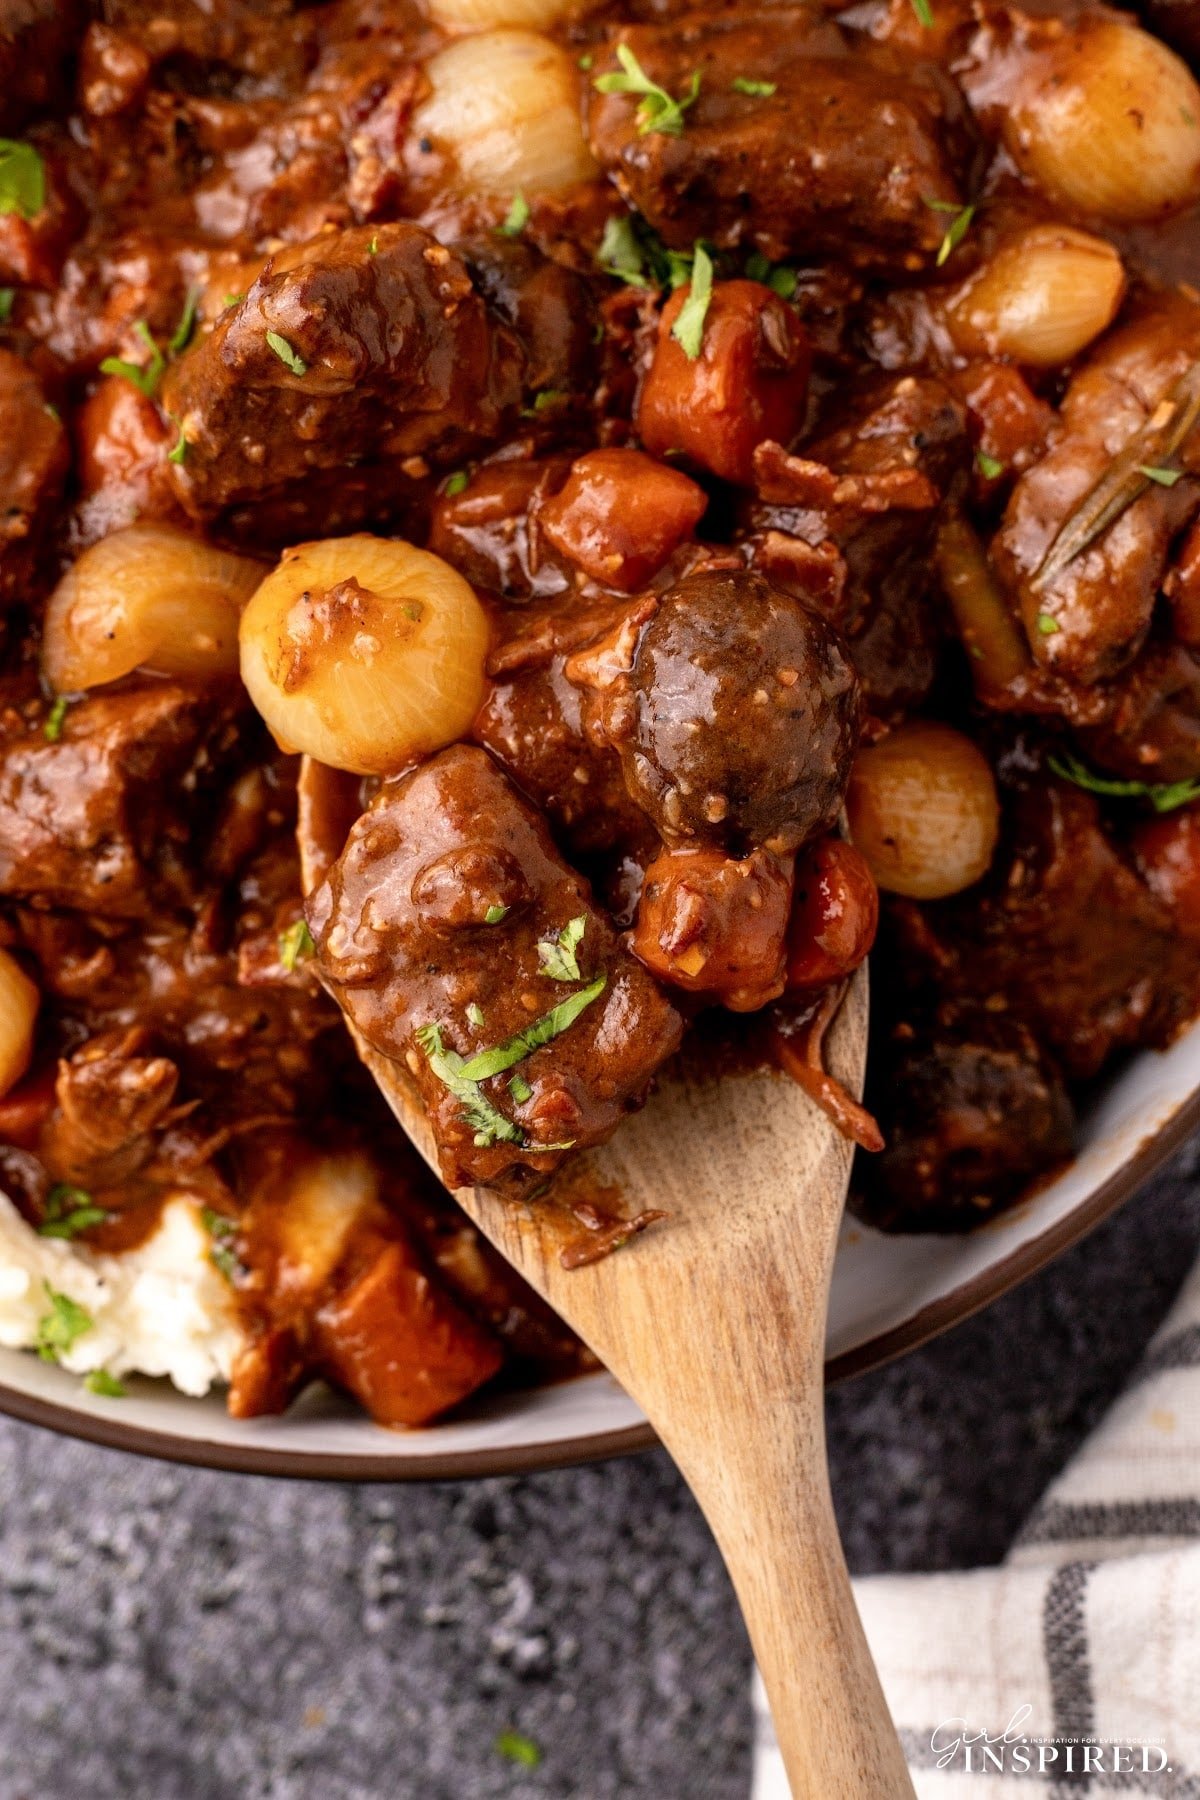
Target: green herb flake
783,281
516,218
515,1748
52,730
475,1013
658,110
58,1329
958,228
542,1031
1047,624
295,944
291,359
1164,477
1164,796
495,914
22,179
456,483
585,61
373,246
989,466
99,1381
490,1125
181,337
688,329
68,1211
234,299
7,297
223,1231
548,399
557,955
924,13
178,453
620,254
520,1089
144,376
742,84
1188,117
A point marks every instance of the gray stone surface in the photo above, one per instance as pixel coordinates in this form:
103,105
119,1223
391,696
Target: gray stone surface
173,1635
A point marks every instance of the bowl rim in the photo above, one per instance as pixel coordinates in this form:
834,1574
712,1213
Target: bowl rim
950,1309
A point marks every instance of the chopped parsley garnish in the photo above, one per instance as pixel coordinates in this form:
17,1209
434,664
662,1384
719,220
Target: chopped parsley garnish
620,253
516,218
295,944
658,110
586,60
548,399
69,1210
989,466
223,1231
742,84
1164,477
99,1381
1047,624
542,1031
454,484
959,225
291,359
777,276
373,246
7,296
22,179
179,451
557,955
475,1013
518,1749
234,299
520,1089
924,13
490,1126
144,376
1164,796
58,1329
52,730
181,337
495,914
688,329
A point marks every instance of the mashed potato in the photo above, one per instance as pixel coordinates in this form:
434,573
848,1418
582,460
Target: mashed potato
161,1309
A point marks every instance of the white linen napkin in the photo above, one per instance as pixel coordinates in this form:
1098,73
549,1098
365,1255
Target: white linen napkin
1079,1656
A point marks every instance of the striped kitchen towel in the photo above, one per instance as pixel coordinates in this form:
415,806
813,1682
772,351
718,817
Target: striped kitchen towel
1073,1667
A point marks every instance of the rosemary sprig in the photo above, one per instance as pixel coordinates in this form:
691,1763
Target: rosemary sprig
1126,480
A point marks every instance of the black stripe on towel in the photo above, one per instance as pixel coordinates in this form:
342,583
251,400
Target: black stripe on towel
1059,1522
1064,1639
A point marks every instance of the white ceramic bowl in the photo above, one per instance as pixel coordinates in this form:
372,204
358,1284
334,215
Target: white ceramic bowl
889,1294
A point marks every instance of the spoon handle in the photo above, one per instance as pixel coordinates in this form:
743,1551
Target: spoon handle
776,1530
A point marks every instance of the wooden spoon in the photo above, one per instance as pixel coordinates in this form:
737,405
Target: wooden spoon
714,1321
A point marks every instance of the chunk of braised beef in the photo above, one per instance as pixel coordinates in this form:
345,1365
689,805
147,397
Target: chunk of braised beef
485,525
34,457
536,726
734,710
435,931
551,308
1153,730
112,1098
364,346
1064,935
37,41
89,815
843,157
1090,618
848,522
972,1111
